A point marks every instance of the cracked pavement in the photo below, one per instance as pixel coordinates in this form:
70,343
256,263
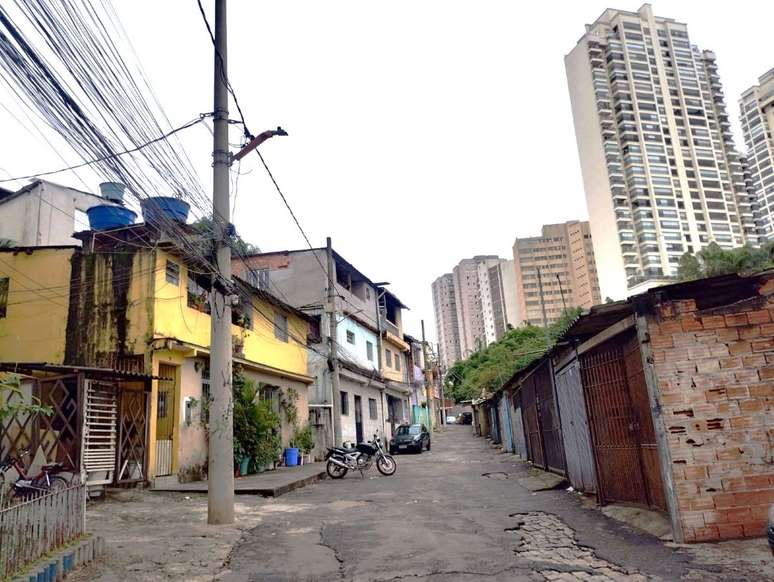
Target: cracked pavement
440,519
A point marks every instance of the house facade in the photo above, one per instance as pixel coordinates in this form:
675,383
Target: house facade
367,356
129,311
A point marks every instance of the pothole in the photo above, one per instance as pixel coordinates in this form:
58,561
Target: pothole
495,475
546,539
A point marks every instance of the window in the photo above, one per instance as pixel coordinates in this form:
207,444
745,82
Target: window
368,294
280,326
372,408
161,408
206,395
397,361
4,282
388,357
370,351
173,273
259,278
351,337
344,403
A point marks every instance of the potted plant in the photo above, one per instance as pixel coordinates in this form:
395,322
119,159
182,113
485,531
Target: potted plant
304,440
246,418
288,404
269,444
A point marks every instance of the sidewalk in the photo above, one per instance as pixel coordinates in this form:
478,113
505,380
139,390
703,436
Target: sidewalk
269,484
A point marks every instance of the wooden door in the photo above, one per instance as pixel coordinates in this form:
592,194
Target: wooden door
132,439
548,415
531,422
165,418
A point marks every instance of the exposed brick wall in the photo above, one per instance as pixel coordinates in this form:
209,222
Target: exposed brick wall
715,373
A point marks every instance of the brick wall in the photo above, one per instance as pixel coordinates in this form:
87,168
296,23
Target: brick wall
715,373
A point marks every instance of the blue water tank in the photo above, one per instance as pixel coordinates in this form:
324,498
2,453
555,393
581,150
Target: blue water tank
160,208
106,217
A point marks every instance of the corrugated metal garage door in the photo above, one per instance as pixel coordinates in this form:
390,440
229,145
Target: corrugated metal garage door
575,428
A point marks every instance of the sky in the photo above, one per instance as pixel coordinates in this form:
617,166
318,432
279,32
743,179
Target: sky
421,133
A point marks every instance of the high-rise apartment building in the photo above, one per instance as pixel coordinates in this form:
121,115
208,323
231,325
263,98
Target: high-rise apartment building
659,168
757,116
564,256
447,326
474,305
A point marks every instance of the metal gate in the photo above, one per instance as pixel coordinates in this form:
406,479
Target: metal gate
615,391
165,419
550,426
505,414
575,428
100,419
532,422
132,442
517,428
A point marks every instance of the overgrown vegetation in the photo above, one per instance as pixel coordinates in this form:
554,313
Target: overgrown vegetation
205,226
713,260
488,369
12,400
256,425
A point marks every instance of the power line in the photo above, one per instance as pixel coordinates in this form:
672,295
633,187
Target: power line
114,155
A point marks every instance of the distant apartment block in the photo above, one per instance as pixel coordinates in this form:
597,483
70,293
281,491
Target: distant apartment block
757,117
659,167
564,255
474,305
447,326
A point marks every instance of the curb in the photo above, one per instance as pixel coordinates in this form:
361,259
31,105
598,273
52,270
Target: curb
62,562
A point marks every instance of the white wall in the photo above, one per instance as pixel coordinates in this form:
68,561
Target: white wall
370,425
47,214
358,351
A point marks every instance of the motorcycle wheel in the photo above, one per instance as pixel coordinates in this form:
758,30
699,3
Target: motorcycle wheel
335,471
386,465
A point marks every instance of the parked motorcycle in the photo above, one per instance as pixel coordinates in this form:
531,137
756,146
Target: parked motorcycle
46,480
341,460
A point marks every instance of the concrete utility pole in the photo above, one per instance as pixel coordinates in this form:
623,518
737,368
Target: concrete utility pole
428,383
220,489
543,307
333,360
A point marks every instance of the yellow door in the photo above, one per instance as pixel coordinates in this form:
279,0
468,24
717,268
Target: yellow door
165,418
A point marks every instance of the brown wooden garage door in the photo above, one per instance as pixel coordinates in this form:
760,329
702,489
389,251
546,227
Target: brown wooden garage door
621,424
541,420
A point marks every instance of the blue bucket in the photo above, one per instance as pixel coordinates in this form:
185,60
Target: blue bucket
161,208
291,457
105,217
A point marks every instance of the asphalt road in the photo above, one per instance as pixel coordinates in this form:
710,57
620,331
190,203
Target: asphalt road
453,514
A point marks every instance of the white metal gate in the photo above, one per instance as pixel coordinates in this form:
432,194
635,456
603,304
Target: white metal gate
100,416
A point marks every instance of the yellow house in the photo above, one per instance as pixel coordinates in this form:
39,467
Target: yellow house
130,308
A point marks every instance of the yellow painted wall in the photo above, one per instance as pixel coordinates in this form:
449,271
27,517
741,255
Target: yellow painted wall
173,318
396,347
33,329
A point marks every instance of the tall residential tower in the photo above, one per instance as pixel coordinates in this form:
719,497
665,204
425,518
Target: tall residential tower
658,161
757,116
474,305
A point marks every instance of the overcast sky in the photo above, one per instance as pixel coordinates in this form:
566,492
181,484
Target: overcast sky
421,132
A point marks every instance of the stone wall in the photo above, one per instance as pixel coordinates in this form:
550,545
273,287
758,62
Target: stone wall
715,373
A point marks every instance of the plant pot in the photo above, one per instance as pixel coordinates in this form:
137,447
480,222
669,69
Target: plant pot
291,457
244,465
159,209
105,217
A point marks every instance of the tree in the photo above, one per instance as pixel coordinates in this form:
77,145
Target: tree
713,260
204,225
488,369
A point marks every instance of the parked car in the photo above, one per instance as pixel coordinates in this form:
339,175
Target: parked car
451,420
770,530
465,418
410,437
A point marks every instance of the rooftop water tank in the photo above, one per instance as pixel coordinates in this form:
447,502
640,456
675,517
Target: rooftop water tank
112,191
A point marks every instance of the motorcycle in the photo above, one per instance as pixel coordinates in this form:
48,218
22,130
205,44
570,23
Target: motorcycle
341,460
26,484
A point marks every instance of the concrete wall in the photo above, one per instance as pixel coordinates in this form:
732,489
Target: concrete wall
192,438
33,329
46,215
370,426
715,374
358,352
